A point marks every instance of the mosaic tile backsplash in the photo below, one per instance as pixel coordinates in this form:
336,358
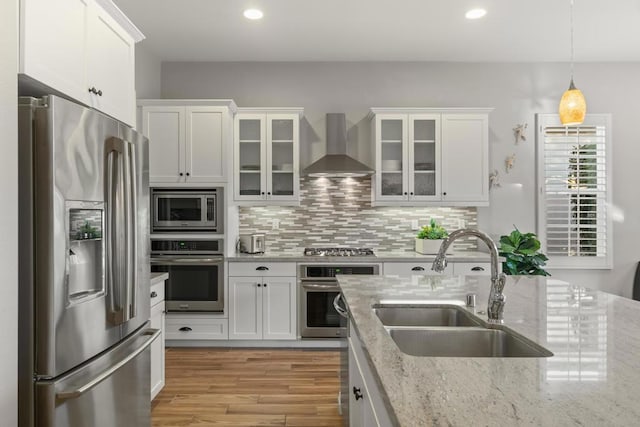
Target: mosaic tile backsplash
338,212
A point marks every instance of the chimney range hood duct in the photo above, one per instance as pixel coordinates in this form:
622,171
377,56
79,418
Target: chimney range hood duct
336,163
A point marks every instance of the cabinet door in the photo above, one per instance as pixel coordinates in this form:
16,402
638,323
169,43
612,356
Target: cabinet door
52,44
465,157
111,66
391,157
279,308
250,157
164,126
424,157
157,350
245,308
205,152
282,156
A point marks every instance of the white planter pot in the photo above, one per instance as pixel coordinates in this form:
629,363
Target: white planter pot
428,246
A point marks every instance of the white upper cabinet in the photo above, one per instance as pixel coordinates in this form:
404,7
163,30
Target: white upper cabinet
266,156
431,157
189,144
82,49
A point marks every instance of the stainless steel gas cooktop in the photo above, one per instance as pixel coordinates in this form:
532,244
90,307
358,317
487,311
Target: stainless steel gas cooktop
338,252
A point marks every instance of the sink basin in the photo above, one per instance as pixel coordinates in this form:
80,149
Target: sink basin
425,315
464,342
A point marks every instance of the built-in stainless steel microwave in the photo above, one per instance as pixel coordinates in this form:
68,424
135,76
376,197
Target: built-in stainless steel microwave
187,210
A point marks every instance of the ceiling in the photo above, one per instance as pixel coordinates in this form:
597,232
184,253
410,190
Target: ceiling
387,30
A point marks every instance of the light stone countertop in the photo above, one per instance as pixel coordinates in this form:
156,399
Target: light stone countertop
380,256
158,277
593,379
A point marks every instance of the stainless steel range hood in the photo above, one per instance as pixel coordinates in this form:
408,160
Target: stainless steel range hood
336,163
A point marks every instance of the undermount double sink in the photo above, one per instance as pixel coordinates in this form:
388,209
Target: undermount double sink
447,330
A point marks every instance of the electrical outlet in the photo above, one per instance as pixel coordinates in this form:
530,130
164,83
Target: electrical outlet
275,224
414,224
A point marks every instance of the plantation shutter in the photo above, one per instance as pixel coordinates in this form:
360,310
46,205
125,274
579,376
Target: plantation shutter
574,178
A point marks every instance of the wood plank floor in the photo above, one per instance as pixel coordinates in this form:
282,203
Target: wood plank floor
249,387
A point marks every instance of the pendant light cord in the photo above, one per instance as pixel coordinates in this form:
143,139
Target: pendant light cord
571,9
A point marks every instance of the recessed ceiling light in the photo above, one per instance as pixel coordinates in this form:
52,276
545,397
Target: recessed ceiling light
475,13
253,14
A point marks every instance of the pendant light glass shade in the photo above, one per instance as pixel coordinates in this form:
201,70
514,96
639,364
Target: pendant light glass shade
573,106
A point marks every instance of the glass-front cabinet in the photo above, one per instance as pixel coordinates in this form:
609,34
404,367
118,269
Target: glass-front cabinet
266,155
407,157
419,161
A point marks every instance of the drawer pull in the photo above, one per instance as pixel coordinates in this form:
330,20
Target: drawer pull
154,294
417,269
262,268
185,329
357,393
477,269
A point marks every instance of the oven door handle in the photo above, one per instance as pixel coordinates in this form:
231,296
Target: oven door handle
319,287
187,261
336,304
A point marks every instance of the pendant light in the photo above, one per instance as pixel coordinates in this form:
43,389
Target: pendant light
573,106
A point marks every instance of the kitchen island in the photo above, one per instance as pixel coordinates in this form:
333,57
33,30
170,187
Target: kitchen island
593,378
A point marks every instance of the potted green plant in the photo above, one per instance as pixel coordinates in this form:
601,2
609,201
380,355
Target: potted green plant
521,253
430,238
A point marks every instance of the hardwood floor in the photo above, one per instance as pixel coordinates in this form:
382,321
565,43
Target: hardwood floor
249,387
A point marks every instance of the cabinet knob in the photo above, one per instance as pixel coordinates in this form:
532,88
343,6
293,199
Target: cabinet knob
411,193
264,284
259,284
154,294
185,329
444,194
93,90
99,93
268,193
417,269
357,393
188,174
181,174
405,193
262,193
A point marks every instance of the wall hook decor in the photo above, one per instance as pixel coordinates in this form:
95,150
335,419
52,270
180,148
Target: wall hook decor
494,179
508,162
518,132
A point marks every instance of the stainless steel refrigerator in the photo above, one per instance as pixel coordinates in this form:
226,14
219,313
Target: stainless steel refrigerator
84,357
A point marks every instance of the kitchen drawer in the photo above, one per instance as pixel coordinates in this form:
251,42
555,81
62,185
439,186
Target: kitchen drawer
413,268
158,291
471,268
193,327
262,269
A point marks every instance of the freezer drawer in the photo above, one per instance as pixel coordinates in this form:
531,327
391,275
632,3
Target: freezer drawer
112,390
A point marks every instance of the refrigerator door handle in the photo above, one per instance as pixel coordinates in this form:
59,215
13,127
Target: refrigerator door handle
132,244
121,212
82,389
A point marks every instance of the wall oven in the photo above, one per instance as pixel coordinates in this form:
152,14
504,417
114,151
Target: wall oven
187,210
196,273
319,288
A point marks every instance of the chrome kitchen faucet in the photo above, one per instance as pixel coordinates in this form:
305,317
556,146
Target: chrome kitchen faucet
497,299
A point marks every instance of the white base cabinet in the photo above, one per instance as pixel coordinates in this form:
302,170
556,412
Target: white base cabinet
82,50
262,301
366,405
157,320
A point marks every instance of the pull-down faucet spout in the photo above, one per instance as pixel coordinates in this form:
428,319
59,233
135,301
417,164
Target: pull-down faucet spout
497,299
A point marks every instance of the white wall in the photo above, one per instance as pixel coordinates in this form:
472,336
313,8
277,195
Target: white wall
9,212
147,72
516,90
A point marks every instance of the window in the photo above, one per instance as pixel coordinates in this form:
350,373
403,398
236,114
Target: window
574,198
